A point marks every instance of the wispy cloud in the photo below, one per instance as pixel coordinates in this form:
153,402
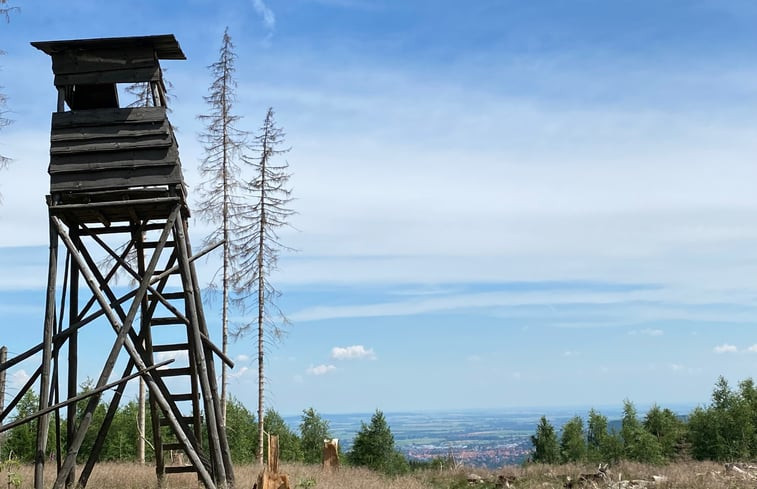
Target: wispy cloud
322,369
647,332
752,349
352,352
725,348
683,369
237,374
655,303
265,12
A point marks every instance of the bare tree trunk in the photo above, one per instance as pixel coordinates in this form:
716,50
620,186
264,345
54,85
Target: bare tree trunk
261,305
225,321
255,232
3,359
261,378
226,264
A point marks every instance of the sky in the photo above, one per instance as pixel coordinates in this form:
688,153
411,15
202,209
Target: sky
499,203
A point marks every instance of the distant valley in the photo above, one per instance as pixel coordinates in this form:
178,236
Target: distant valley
480,438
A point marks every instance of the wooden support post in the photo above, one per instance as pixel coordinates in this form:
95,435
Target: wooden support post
43,425
226,453
61,99
73,361
56,357
199,353
137,237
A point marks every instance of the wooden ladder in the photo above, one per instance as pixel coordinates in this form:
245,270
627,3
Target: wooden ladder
181,381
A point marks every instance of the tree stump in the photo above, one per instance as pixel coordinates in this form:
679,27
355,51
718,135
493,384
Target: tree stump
270,478
330,458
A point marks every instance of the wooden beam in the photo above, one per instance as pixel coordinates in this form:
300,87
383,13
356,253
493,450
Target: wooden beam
199,354
83,395
133,75
94,454
55,388
43,425
73,361
117,203
99,117
226,453
194,258
11,405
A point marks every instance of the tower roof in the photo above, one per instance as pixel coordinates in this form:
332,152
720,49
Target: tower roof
165,46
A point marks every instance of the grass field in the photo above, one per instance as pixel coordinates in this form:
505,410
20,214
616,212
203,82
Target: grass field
694,475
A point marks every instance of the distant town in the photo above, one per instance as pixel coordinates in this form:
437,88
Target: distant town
475,455
475,438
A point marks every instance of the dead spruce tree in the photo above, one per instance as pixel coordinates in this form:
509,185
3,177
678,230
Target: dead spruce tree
258,244
5,12
220,189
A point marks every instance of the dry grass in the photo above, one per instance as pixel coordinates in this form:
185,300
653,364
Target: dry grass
134,476
693,475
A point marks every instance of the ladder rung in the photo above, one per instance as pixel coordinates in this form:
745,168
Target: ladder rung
182,397
179,469
159,272
154,244
186,419
168,295
173,446
166,321
174,372
170,347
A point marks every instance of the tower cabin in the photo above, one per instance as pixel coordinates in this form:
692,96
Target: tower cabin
110,163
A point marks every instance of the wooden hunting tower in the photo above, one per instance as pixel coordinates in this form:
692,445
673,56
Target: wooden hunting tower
116,190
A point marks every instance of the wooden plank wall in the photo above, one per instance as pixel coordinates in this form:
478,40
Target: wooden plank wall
111,149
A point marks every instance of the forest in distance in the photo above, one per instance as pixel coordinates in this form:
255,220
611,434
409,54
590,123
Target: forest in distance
722,430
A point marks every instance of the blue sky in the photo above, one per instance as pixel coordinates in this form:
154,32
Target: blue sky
499,204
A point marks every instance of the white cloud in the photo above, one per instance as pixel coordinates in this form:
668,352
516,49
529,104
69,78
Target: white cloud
18,378
179,357
320,369
725,348
269,19
352,352
236,374
570,353
242,358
